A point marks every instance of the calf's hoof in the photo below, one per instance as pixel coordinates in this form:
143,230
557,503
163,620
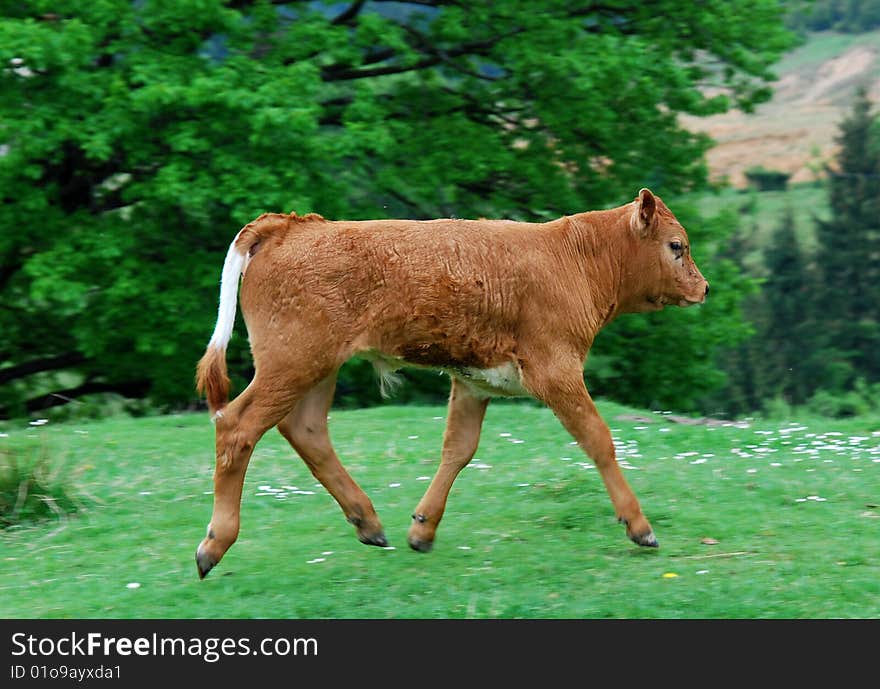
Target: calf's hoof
369,531
645,539
641,534
421,534
212,549
374,539
419,544
205,561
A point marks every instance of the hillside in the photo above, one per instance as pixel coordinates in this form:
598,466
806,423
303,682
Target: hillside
794,132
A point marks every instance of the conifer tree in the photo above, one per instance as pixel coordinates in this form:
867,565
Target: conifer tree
787,332
848,254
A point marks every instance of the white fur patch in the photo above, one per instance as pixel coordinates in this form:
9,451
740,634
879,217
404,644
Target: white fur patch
499,381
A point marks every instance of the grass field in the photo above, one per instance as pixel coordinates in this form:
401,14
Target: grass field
756,520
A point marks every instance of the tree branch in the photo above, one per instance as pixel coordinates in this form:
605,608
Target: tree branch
335,73
51,363
7,270
349,14
424,3
137,388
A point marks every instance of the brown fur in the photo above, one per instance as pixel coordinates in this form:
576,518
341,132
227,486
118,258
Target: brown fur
460,295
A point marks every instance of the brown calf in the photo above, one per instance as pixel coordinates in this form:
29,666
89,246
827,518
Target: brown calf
505,308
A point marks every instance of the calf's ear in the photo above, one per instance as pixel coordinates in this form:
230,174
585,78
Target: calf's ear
643,217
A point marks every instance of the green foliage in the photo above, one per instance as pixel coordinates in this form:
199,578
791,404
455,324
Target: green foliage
849,16
817,317
787,331
847,298
137,137
862,399
780,362
767,180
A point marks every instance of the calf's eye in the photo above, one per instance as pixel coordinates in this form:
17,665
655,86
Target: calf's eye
675,246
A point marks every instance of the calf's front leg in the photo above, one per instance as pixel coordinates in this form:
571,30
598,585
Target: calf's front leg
567,396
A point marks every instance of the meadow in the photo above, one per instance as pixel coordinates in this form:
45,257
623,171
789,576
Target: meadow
755,518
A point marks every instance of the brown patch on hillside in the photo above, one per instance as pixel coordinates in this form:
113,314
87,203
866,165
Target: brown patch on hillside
795,131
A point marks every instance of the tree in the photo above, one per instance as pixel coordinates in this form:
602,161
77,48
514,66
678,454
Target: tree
787,332
740,359
848,16
137,137
848,300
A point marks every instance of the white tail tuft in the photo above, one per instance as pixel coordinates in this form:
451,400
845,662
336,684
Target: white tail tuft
232,269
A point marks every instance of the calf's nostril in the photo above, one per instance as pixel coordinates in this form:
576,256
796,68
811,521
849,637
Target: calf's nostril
707,289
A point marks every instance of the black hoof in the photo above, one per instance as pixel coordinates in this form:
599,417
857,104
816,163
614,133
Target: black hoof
376,539
648,540
421,546
204,563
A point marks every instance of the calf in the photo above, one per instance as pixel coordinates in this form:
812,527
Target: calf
505,308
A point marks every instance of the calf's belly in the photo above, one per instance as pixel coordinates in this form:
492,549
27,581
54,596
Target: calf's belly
504,380
499,381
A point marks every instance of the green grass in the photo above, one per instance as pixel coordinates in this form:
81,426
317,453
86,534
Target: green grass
529,531
32,489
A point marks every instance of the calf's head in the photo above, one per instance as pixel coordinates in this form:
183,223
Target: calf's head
660,268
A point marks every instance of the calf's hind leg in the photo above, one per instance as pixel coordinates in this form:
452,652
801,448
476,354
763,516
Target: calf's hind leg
238,428
305,428
463,424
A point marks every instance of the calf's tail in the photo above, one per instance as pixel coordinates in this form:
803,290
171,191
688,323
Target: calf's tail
212,379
